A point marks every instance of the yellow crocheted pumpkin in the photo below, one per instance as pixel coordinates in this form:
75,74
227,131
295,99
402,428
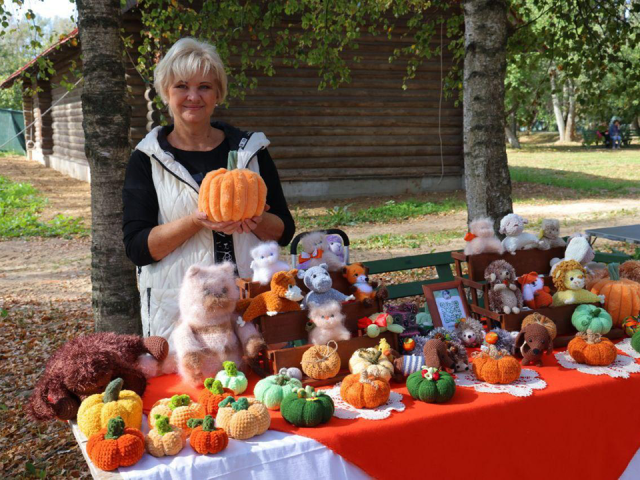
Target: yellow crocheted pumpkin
231,196
179,409
243,418
96,410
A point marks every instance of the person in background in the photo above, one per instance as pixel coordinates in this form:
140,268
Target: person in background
614,135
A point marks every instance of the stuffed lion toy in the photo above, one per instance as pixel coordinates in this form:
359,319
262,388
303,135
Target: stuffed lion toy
569,278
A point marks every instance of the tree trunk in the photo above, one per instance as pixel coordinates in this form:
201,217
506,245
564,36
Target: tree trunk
635,125
557,107
570,127
511,131
106,119
487,180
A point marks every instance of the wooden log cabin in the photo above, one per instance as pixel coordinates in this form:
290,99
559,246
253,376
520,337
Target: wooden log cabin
332,143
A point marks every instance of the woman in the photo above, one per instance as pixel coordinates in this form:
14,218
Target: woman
164,233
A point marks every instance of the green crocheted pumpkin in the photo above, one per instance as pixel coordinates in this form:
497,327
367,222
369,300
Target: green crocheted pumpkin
589,317
231,378
431,385
273,389
635,341
307,408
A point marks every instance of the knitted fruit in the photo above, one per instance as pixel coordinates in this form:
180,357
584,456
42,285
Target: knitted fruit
164,438
431,385
243,418
631,325
496,367
589,317
115,446
408,344
592,349
491,338
621,295
96,410
179,409
546,322
205,437
363,392
307,408
231,196
321,362
372,361
212,395
635,341
232,379
273,389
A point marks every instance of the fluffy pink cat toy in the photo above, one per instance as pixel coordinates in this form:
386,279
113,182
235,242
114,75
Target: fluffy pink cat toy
481,238
328,321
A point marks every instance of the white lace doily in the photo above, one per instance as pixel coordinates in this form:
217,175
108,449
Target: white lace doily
523,387
621,367
625,346
344,410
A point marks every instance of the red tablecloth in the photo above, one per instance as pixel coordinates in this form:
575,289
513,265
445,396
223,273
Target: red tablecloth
580,426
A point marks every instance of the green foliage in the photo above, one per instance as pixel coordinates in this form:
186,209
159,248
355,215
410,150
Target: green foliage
20,208
411,240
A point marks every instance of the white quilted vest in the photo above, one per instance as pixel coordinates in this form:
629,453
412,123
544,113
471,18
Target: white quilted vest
159,283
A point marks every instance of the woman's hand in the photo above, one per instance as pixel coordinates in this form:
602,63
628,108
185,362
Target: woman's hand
200,219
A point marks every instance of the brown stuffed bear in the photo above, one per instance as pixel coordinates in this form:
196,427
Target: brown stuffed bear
533,342
84,366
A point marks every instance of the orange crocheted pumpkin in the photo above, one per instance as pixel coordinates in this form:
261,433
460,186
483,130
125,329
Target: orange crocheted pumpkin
205,437
361,391
592,349
496,367
212,395
621,295
115,446
231,196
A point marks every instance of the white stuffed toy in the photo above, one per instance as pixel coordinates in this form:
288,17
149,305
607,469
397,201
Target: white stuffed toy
578,249
512,226
266,262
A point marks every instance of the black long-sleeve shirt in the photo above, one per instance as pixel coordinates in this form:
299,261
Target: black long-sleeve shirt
140,199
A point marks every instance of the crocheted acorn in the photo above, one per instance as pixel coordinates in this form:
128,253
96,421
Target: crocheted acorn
179,409
306,407
361,391
243,418
96,410
212,395
165,439
635,341
591,348
431,385
321,362
231,378
496,367
271,390
589,317
205,437
115,446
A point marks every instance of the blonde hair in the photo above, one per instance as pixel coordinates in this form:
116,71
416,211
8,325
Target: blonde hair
186,58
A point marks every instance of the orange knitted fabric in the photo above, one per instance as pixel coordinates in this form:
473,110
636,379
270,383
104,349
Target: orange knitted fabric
243,424
115,446
179,415
274,300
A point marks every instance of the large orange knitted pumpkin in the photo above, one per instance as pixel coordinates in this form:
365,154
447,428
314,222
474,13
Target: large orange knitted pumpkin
232,195
496,367
621,295
363,392
592,349
115,446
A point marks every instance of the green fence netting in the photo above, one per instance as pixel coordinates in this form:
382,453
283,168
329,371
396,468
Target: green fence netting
11,122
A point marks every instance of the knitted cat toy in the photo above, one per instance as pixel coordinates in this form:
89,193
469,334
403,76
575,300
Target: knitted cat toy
283,297
266,262
482,238
569,278
328,323
534,293
318,281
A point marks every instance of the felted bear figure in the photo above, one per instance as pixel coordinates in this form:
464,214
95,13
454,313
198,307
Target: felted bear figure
318,281
208,333
504,296
85,365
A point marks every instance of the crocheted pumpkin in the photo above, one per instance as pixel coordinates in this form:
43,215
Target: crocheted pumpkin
496,367
372,361
592,349
546,322
164,438
243,418
307,408
635,341
115,446
589,317
212,395
321,362
231,196
621,295
271,390
232,379
205,437
363,392
431,385
96,410
179,409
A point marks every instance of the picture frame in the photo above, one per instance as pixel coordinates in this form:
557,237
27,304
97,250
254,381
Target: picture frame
447,303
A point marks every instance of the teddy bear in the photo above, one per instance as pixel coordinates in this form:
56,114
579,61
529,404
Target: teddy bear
532,342
314,254
85,365
534,293
364,290
284,296
333,244
550,234
482,238
512,226
318,281
470,332
266,262
328,323
504,296
207,333
569,278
